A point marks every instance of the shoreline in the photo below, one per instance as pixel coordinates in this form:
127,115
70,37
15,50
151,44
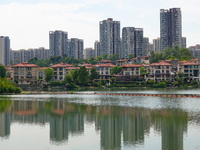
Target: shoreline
111,94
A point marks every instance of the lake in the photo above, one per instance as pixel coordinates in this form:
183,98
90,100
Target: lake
94,122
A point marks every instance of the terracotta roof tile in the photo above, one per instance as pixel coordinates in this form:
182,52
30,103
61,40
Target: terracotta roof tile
131,66
72,68
61,65
160,64
25,64
105,65
106,61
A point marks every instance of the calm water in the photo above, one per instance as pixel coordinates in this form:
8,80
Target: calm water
93,122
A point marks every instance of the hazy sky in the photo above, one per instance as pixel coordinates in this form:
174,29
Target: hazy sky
28,22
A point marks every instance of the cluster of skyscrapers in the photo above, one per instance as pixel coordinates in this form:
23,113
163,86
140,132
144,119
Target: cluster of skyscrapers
132,42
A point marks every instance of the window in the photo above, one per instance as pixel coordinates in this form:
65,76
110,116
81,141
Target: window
40,75
60,69
28,68
29,75
127,73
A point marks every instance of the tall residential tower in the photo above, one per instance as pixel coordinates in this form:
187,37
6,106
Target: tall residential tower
170,28
58,43
132,42
4,50
109,37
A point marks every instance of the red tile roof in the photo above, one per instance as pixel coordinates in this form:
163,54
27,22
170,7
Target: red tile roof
25,64
105,65
160,64
72,68
106,61
189,63
131,66
61,65
194,60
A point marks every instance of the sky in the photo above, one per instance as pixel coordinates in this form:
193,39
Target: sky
28,22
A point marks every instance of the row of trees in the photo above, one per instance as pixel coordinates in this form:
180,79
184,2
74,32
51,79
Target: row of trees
80,77
176,53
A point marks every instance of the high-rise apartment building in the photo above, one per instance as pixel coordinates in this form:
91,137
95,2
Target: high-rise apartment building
96,48
170,28
75,48
4,50
58,43
88,53
156,45
20,56
109,37
132,42
146,47
184,42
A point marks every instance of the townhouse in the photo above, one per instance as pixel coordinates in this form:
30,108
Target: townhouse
130,72
121,62
104,70
191,70
60,70
160,71
25,73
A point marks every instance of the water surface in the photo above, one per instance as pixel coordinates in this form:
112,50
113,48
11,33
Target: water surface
89,122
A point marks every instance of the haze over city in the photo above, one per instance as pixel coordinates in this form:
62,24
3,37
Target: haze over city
28,23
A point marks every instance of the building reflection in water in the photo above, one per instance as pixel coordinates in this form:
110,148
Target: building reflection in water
112,122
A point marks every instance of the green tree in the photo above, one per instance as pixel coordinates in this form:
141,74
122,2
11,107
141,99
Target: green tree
180,74
130,56
93,74
83,76
48,74
114,57
116,70
112,79
2,71
68,77
142,71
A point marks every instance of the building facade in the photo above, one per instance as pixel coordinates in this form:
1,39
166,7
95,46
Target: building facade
75,48
156,45
132,42
88,53
58,43
170,28
20,56
96,48
109,37
4,50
